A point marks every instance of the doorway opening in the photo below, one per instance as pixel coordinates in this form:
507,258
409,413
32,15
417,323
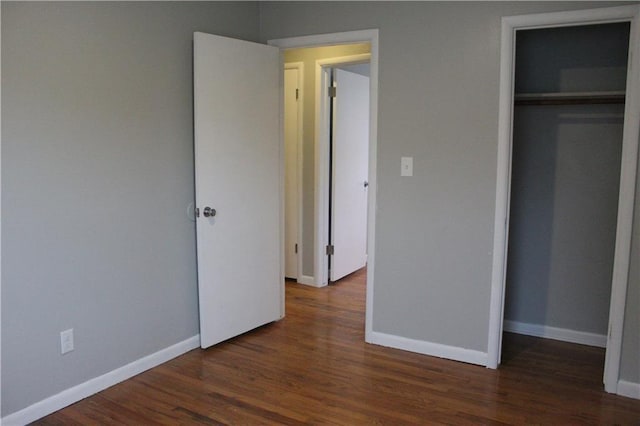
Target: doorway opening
567,142
315,155
338,223
567,164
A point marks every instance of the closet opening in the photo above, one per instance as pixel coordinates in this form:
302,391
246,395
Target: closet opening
567,138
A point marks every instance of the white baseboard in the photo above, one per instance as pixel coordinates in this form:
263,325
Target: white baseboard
307,280
564,334
97,384
628,389
428,348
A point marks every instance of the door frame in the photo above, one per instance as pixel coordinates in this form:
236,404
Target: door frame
628,171
299,160
323,133
350,37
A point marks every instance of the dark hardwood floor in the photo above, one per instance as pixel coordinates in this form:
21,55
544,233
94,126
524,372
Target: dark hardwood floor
313,367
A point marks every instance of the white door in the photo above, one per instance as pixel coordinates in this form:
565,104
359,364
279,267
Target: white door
291,205
237,173
349,174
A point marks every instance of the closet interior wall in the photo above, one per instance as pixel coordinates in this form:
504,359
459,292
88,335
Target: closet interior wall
567,140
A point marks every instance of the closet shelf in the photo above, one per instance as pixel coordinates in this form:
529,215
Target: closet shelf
570,98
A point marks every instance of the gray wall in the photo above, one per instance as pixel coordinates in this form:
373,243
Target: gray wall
564,204
309,57
565,179
438,98
97,173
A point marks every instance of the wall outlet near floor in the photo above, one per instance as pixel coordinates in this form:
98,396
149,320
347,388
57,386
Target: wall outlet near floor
66,341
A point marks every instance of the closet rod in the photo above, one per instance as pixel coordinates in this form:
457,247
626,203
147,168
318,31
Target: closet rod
570,98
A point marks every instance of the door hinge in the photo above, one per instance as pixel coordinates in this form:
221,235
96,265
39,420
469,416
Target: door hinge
332,91
296,248
297,94
330,250
197,211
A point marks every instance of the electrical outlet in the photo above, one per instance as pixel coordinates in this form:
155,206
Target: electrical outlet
66,341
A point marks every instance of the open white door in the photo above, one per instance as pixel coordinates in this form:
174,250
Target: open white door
291,206
237,173
349,174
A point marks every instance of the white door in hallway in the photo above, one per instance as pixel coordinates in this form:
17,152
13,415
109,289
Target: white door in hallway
350,157
291,179
238,186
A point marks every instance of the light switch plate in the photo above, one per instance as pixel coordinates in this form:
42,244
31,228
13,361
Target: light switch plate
406,166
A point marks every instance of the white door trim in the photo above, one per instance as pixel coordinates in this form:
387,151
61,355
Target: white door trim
300,157
367,36
627,174
0,197
321,260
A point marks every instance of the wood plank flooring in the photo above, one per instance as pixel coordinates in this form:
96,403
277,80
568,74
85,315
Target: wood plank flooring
313,367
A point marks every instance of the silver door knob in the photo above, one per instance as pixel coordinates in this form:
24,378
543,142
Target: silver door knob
209,212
